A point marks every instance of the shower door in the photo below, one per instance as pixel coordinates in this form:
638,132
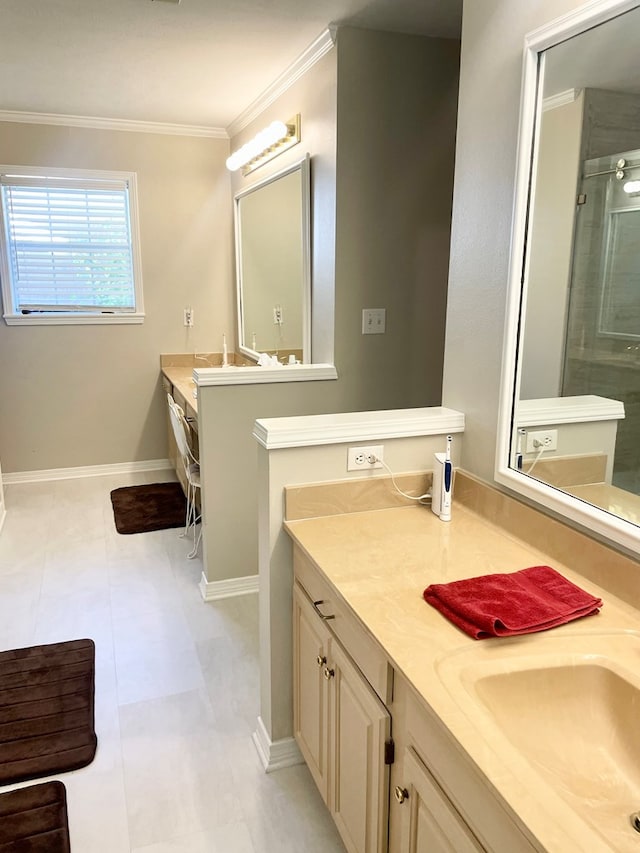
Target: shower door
602,345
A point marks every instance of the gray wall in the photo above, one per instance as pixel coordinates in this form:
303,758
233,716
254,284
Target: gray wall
397,101
383,235
90,395
490,79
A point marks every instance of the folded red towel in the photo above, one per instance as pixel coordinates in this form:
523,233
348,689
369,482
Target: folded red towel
532,599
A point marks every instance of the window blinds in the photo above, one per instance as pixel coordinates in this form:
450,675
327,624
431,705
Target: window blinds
69,244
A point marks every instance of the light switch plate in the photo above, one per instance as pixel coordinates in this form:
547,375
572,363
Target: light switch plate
374,321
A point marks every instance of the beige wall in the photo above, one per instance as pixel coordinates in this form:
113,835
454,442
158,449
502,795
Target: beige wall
90,395
490,79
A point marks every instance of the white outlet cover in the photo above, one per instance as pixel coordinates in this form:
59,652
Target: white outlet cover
356,462
374,321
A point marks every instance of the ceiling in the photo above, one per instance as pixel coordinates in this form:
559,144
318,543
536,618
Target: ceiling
199,63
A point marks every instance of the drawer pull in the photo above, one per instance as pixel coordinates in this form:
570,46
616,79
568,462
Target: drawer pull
328,673
401,794
320,660
316,605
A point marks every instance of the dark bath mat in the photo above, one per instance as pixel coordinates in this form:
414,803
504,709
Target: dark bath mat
34,820
141,509
46,710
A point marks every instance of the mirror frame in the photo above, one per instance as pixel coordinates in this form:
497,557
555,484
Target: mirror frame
604,524
303,166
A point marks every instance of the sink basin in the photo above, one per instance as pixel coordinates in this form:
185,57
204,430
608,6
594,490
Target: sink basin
570,707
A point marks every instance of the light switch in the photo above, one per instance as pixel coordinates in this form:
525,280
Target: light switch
374,321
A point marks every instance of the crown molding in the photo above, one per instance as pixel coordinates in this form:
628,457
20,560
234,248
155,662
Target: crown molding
307,59
342,427
568,410
95,123
560,99
254,375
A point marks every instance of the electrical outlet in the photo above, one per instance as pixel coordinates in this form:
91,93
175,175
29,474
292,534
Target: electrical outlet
188,316
358,457
277,315
547,438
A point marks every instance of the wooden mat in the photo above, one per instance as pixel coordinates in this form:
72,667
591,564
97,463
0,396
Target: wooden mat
141,509
34,820
46,710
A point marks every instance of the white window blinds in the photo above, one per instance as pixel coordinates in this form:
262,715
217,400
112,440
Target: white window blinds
68,244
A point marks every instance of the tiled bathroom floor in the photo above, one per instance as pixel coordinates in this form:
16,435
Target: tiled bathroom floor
177,684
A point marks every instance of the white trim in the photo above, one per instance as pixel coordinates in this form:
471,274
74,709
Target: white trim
275,755
86,471
206,376
3,516
568,410
307,59
593,519
274,433
73,319
560,99
96,123
228,588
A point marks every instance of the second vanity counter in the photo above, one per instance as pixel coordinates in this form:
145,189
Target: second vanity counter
379,562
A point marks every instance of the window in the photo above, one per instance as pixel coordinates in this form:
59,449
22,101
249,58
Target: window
69,247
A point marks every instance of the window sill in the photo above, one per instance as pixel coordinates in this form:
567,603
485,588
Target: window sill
72,319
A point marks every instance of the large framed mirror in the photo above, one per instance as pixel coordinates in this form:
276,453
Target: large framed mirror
273,265
569,421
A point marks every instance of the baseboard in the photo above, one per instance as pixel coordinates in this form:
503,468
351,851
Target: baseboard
86,471
212,590
277,754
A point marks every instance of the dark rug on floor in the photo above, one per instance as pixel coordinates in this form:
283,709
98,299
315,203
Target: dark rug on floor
34,820
46,710
141,509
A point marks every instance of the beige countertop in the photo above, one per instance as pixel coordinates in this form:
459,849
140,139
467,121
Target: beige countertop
182,379
379,562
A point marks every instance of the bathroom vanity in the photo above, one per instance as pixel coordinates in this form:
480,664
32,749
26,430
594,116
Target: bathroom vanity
420,738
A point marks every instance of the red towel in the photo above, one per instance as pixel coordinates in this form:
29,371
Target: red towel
532,599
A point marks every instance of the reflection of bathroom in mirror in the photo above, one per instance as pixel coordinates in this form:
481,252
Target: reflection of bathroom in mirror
579,346
273,265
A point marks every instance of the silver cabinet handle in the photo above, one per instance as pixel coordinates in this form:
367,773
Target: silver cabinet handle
328,673
320,660
316,605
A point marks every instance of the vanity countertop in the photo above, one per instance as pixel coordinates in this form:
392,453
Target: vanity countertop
379,562
182,379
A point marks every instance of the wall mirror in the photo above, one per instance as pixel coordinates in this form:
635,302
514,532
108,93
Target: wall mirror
273,264
570,403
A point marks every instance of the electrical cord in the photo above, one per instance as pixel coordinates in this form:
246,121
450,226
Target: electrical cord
535,461
421,498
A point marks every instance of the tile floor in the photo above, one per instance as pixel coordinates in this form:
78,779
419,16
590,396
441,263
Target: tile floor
177,687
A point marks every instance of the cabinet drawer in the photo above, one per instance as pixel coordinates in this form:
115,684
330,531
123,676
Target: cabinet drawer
363,649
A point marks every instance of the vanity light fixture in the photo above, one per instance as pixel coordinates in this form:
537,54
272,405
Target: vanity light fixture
273,140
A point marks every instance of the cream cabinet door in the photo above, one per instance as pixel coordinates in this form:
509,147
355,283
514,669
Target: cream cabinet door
359,725
430,823
341,727
310,643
